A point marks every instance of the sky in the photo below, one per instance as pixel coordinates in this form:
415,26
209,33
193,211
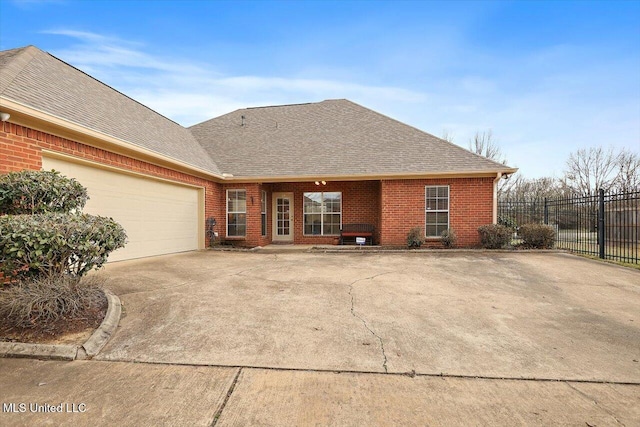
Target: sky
546,77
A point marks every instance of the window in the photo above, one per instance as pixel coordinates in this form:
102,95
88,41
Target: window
436,209
263,212
322,213
236,213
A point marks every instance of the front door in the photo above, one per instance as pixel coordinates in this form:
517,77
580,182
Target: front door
282,217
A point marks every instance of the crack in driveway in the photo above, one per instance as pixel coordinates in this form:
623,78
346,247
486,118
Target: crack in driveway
595,402
364,322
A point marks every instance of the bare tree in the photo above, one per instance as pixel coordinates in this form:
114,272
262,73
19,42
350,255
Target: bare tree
447,136
484,144
628,178
589,170
518,188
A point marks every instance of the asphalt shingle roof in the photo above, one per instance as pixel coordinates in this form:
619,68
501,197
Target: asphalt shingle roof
329,138
41,81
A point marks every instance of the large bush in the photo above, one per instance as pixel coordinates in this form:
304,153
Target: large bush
43,233
56,244
538,236
32,192
46,246
494,236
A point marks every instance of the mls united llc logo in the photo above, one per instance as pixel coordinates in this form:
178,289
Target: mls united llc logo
22,407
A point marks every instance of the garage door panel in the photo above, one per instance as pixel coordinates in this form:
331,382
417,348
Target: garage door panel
159,217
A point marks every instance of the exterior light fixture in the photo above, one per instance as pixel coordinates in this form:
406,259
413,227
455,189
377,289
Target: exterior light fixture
324,182
4,116
317,183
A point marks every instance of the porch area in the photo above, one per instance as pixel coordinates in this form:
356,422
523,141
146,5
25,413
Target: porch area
300,213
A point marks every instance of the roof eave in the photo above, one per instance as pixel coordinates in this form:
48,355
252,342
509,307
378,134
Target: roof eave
371,177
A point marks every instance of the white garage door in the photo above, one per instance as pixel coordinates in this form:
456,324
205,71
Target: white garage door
159,217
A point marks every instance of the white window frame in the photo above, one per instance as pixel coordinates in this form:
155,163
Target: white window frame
263,213
237,212
428,210
322,213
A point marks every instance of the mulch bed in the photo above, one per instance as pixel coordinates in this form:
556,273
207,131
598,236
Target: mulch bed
89,319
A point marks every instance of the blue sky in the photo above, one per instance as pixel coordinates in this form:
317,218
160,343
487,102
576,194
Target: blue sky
546,77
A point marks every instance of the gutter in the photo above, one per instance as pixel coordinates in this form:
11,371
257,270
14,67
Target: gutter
495,197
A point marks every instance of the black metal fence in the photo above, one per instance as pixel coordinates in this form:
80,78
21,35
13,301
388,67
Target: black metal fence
604,225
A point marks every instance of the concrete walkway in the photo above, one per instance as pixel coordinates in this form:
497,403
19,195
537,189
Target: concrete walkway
93,393
460,338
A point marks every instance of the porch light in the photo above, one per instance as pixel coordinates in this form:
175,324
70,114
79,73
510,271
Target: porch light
324,182
317,183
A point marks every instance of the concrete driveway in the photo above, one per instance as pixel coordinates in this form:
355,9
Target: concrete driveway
271,339
513,315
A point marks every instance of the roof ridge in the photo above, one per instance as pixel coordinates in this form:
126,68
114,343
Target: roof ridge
37,50
110,87
264,106
22,51
277,106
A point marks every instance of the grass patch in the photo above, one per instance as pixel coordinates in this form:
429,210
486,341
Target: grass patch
50,306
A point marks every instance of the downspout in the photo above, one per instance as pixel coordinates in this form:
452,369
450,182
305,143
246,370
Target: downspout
495,197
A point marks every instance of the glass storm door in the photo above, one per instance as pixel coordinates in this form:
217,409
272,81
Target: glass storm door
282,217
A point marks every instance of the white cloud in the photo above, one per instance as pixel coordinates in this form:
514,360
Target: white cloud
189,92
540,105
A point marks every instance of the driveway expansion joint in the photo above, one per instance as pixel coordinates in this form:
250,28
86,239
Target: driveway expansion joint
218,413
409,374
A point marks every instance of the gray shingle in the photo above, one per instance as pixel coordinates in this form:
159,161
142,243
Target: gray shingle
41,81
329,138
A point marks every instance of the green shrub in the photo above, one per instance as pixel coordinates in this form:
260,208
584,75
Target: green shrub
38,302
494,236
448,238
538,236
32,192
508,222
56,244
415,237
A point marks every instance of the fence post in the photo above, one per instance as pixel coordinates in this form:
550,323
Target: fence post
546,212
601,235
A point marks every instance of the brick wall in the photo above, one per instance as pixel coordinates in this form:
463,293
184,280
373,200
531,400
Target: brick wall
254,222
360,203
403,207
393,206
21,148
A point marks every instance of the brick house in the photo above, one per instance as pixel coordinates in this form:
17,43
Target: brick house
291,173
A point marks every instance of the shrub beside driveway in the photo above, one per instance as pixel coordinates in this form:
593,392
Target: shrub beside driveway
46,247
